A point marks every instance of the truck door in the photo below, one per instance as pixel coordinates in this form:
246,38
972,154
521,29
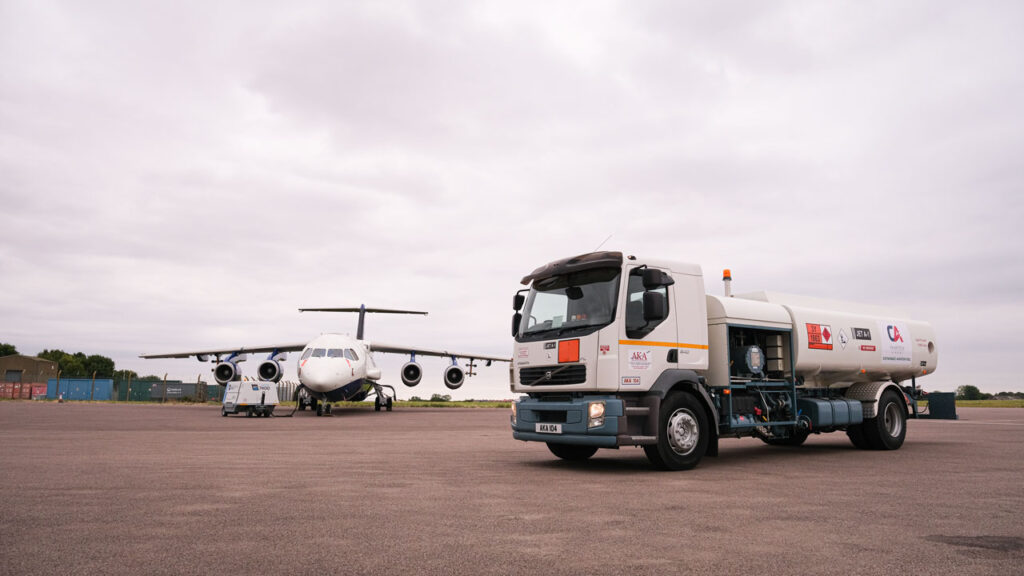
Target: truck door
644,346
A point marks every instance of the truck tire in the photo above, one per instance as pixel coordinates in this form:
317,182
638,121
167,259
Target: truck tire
572,452
887,430
683,433
856,436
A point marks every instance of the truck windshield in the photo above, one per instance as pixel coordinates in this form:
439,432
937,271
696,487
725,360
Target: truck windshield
570,304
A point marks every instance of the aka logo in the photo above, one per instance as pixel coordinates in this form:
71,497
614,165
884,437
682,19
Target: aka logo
894,333
638,356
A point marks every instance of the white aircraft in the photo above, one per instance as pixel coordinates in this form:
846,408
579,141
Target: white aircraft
337,367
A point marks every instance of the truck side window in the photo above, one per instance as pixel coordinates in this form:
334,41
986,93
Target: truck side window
636,327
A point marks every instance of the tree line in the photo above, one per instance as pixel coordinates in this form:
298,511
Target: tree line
79,365
970,392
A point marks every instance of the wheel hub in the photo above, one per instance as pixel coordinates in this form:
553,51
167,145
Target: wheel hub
892,420
683,432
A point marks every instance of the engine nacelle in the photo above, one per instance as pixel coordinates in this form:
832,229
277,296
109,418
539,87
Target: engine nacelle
225,372
270,371
411,373
454,376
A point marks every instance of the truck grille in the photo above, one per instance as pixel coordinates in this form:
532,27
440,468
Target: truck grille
560,375
553,416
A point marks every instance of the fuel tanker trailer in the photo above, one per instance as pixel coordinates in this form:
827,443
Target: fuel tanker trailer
615,351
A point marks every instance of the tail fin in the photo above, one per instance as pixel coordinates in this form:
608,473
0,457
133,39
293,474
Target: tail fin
362,310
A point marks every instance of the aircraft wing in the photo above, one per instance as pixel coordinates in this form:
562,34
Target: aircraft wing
396,349
228,351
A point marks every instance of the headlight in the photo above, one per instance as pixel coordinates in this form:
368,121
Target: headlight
513,413
596,414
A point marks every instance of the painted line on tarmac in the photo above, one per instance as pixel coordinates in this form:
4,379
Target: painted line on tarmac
987,423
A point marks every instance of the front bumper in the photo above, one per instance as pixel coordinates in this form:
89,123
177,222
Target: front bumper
572,415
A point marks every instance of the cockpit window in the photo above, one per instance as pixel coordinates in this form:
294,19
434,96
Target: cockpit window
307,353
335,353
351,354
319,353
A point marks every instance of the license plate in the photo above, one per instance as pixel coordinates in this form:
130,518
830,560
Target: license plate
549,428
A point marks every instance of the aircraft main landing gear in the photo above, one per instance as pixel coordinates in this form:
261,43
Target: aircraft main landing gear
383,399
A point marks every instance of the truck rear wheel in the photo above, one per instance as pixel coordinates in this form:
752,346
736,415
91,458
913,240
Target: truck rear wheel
682,433
888,429
572,451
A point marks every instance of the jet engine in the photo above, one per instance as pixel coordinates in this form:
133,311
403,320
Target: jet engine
225,372
454,376
411,373
270,371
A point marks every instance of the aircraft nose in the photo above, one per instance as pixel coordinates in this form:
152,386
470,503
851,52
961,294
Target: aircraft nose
316,375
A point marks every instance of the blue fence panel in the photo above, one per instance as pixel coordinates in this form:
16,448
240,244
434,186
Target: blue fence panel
80,388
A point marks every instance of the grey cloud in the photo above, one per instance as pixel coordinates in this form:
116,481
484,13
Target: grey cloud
189,174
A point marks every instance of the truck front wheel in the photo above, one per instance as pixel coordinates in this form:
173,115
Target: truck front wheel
683,433
572,451
887,430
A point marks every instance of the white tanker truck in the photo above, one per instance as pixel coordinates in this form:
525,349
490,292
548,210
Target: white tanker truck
613,351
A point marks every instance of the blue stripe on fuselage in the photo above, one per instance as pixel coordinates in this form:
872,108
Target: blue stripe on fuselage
351,391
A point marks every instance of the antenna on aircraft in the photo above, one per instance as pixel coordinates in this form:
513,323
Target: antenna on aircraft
362,310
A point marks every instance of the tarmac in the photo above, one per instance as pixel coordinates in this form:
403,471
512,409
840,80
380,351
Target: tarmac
149,489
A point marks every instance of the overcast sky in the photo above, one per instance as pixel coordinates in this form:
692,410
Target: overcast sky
188,175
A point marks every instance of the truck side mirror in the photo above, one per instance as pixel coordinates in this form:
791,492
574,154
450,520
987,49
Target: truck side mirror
654,278
517,301
517,319
654,307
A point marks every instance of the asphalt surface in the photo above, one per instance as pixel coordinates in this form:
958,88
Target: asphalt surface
134,489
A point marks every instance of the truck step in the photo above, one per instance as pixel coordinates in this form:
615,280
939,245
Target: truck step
637,410
638,440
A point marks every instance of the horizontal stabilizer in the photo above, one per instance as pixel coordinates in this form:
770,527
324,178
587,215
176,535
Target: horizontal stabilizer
362,310
375,310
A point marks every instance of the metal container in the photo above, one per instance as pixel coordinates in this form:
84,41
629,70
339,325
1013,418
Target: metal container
26,390
80,388
39,391
175,390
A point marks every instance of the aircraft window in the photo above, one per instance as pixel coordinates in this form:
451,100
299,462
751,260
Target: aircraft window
307,352
351,354
319,353
335,353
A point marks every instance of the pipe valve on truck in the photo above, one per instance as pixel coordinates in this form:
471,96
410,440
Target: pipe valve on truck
615,351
